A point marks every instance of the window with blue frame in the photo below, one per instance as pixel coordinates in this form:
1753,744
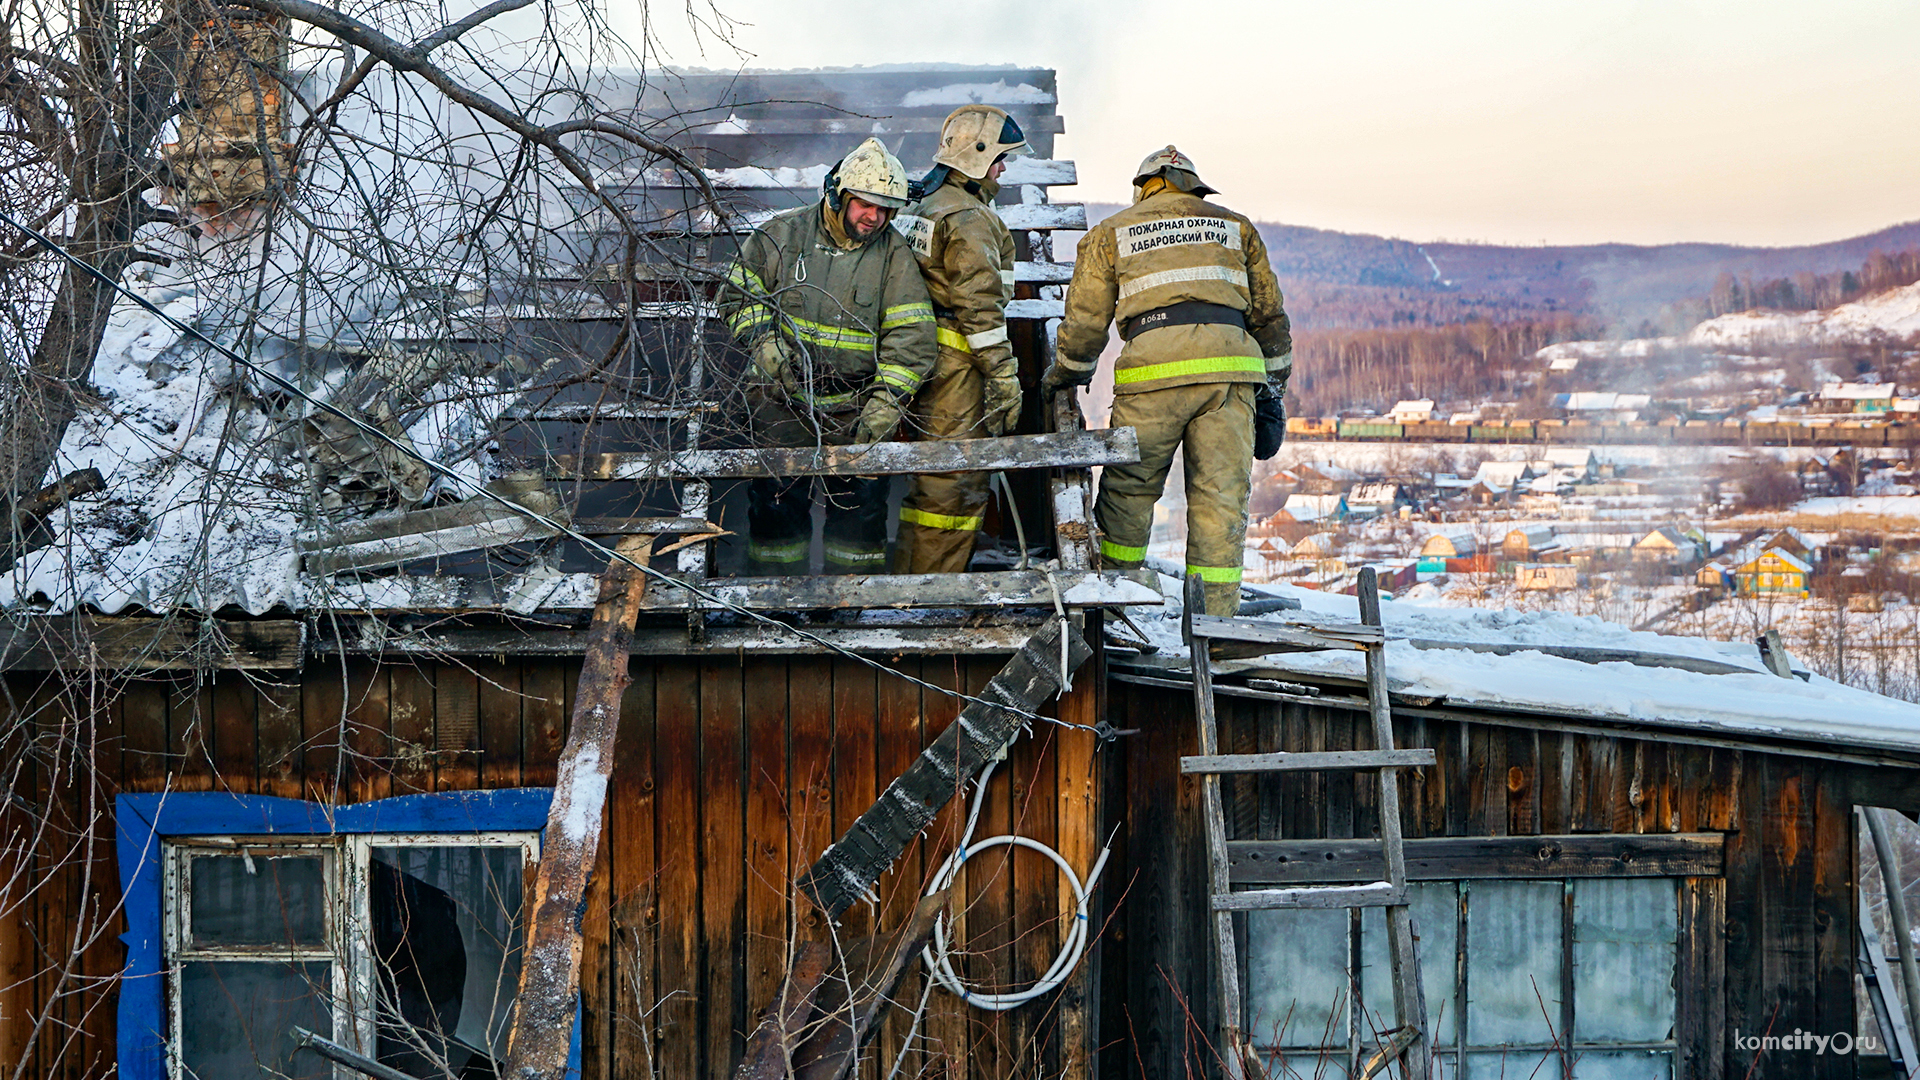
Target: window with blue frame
392,927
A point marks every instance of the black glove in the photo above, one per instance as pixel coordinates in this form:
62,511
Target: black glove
1269,421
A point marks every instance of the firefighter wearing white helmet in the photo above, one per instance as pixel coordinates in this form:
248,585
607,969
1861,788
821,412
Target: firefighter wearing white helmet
966,254
1207,352
829,303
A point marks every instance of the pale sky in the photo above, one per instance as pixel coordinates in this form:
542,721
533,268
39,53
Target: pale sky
1510,121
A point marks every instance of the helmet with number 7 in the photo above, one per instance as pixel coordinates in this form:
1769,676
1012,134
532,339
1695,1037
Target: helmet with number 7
871,173
976,136
1176,168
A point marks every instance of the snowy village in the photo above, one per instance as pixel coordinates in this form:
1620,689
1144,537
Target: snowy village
546,543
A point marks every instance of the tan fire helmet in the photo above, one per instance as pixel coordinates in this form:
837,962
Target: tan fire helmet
872,173
976,136
1176,167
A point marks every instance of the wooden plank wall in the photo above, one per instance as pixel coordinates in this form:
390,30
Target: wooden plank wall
1785,958
733,774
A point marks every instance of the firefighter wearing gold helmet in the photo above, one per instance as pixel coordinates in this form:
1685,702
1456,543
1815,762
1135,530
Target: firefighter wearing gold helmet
1205,362
967,256
830,306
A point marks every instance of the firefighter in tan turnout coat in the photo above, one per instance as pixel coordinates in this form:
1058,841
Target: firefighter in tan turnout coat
829,303
1207,354
966,254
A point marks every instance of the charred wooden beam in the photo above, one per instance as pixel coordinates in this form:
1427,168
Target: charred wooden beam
550,975
387,540
860,997
1078,449
1445,858
984,728
29,531
177,643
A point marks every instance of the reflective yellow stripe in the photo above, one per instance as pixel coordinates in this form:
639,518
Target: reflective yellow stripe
1121,552
834,337
827,401
1216,575
793,552
940,521
749,319
1206,365
906,315
740,275
904,378
853,557
952,339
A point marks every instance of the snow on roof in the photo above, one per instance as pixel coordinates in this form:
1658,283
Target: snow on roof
993,93
1846,391
1787,557
1500,475
1752,703
1312,507
203,496
1570,457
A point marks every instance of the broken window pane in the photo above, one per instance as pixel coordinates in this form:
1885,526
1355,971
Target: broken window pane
1297,977
1513,963
236,1019
1624,930
256,899
1436,922
1623,1064
446,931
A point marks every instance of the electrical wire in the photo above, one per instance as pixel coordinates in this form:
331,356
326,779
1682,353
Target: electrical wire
480,490
937,955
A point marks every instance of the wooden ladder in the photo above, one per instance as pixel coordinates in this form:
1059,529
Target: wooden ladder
1211,637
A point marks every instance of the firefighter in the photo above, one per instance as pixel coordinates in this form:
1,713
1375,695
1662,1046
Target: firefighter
966,254
1205,363
829,303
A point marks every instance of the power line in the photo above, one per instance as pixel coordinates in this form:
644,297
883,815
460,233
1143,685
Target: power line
481,489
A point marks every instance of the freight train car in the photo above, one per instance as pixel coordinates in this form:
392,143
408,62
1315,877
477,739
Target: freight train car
1511,432
1433,432
1370,431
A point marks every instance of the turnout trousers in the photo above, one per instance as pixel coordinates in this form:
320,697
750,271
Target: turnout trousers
941,514
1214,422
780,510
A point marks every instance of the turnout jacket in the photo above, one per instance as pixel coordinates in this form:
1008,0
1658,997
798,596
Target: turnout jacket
857,311
966,254
1172,248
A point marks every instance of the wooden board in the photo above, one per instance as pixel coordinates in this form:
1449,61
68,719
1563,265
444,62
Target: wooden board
1276,862
66,642
1078,449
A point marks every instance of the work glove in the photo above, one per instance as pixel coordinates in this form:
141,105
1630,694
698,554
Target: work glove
775,363
1001,399
879,418
1269,420
1057,378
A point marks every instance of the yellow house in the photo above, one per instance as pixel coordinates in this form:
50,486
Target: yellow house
1771,573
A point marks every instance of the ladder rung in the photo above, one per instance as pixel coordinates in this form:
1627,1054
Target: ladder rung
1377,894
1336,759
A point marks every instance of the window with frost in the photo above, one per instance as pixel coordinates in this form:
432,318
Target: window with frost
1522,979
405,948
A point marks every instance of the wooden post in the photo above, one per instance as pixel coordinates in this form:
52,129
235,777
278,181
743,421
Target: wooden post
550,975
1409,1001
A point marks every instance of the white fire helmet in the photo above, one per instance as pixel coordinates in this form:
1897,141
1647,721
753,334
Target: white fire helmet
976,136
870,172
1178,169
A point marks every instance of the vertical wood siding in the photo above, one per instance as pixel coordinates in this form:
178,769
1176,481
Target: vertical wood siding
732,776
